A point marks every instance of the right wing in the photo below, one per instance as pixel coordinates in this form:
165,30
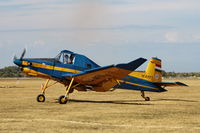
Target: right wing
101,75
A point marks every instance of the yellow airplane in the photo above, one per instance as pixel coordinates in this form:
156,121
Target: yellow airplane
77,72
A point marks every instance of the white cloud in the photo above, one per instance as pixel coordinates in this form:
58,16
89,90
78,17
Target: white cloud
22,2
172,37
37,43
196,37
157,6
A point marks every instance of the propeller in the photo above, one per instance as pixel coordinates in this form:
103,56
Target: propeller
23,53
22,56
19,61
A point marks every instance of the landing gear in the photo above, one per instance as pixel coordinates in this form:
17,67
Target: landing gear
145,98
64,99
41,98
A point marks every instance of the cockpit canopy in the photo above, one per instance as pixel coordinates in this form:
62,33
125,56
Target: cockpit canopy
68,57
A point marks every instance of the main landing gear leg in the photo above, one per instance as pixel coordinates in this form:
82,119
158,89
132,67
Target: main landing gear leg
145,98
64,99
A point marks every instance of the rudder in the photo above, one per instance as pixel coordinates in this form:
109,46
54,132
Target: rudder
153,70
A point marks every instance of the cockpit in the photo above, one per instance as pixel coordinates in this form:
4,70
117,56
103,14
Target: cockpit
66,57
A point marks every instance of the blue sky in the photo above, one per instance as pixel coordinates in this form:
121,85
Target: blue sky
107,31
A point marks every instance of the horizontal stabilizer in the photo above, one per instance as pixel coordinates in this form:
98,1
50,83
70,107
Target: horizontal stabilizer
164,84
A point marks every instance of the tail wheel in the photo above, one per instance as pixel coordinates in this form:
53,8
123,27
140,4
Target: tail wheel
147,98
41,98
63,100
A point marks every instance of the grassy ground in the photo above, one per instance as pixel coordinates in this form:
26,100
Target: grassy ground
177,110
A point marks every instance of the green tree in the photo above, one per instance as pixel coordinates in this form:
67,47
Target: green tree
11,71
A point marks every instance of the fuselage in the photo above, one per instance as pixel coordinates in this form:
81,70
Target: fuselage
51,68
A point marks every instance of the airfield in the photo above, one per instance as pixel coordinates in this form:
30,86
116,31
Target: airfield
124,111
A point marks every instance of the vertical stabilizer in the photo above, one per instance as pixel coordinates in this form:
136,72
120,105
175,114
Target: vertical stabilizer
154,70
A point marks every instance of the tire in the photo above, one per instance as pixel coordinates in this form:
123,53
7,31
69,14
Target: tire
62,100
41,98
147,99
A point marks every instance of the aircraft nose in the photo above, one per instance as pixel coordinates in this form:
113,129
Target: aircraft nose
18,62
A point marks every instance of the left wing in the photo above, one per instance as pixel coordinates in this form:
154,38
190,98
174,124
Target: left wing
164,84
107,74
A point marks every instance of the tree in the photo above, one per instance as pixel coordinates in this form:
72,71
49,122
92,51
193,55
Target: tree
11,71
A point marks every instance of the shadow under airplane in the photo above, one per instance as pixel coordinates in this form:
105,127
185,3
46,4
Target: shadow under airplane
126,102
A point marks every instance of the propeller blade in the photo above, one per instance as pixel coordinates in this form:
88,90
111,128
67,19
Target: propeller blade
23,53
15,57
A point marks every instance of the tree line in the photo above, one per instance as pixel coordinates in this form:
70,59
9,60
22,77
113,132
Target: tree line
181,75
11,71
14,71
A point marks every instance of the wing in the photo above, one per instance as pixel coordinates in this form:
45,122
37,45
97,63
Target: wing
105,74
164,84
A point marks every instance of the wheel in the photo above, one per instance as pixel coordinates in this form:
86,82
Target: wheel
62,100
147,99
41,98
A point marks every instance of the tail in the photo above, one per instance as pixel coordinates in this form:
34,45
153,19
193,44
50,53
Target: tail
153,70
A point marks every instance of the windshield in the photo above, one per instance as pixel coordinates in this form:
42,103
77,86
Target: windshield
65,58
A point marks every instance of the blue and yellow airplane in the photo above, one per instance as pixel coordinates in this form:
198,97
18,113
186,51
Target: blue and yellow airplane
76,71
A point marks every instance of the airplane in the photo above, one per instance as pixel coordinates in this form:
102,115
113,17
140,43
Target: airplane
78,72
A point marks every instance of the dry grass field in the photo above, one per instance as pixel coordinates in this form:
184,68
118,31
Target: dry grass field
124,111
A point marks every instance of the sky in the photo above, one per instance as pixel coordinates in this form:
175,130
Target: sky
106,31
